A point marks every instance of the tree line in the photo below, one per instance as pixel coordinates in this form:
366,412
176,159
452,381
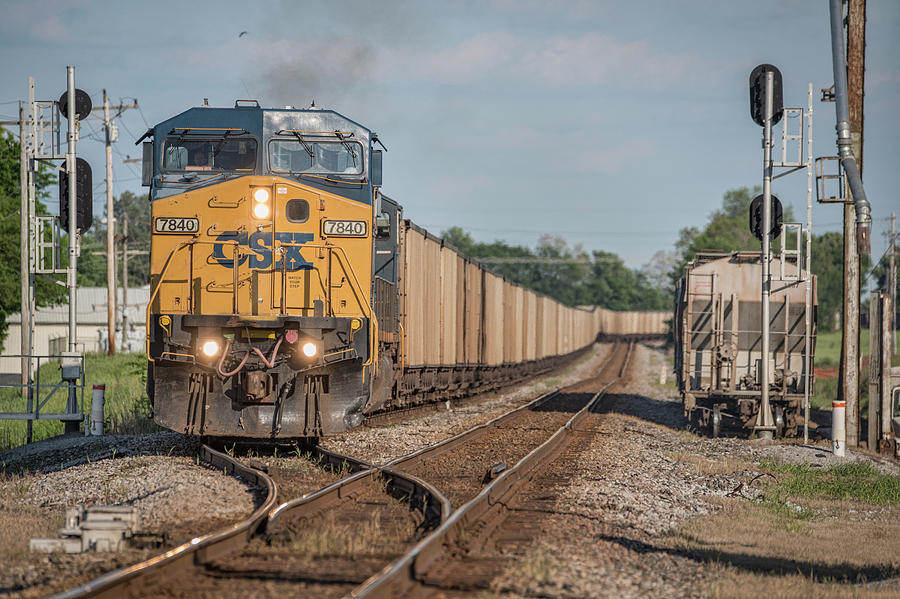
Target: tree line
570,275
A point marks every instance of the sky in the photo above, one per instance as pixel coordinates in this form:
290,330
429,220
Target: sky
611,124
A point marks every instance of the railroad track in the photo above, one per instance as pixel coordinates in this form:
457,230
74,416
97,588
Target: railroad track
465,397
182,571
261,551
439,564
461,465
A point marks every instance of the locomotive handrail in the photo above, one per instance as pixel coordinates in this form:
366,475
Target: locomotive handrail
165,268
342,260
357,293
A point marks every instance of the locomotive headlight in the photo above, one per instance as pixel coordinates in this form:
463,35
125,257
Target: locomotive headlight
261,195
210,348
309,349
261,211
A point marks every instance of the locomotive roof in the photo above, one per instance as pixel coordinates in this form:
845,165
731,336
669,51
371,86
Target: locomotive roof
255,120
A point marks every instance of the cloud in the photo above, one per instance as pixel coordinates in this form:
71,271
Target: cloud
41,21
587,60
474,58
616,159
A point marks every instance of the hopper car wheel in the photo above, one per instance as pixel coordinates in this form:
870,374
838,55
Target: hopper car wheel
716,421
779,422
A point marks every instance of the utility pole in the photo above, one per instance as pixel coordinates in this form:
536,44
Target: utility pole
892,280
892,277
850,355
110,236
25,269
124,280
111,136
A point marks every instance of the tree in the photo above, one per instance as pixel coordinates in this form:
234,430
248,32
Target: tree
828,266
92,263
569,275
728,230
137,207
613,285
47,292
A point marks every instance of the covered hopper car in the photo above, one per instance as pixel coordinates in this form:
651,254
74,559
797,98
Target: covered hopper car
290,298
718,340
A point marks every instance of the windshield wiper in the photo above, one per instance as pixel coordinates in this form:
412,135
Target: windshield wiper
221,144
346,145
302,141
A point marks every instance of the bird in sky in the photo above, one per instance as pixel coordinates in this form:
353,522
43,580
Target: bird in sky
242,34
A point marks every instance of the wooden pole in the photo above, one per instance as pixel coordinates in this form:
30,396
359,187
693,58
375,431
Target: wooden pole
850,355
110,236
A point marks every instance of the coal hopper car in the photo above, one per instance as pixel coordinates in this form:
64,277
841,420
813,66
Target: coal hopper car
718,340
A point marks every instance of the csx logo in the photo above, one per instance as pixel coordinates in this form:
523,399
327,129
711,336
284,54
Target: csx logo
260,245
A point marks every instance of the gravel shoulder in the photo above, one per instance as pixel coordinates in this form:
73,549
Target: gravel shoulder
176,499
619,524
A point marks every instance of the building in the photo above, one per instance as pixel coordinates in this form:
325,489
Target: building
51,327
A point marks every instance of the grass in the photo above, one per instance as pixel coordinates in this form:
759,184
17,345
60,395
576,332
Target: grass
704,466
810,532
126,407
828,347
857,481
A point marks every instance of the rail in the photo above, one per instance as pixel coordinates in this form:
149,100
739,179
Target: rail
410,571
202,550
435,506
196,551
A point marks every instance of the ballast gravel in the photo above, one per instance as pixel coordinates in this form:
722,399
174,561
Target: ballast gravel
381,444
175,497
643,475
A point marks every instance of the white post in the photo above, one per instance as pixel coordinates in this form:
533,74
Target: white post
72,270
98,400
838,427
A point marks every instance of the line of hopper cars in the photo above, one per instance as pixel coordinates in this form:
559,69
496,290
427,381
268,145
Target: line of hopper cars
289,298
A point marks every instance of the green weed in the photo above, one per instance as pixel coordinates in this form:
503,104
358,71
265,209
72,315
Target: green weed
859,481
126,403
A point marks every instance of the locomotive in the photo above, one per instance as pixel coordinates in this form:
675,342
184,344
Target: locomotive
289,298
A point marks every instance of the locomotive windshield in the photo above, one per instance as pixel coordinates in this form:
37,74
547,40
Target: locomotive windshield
299,155
223,154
